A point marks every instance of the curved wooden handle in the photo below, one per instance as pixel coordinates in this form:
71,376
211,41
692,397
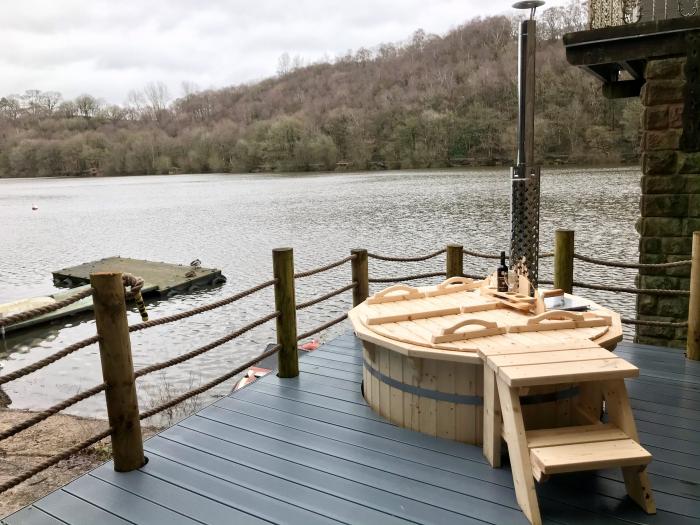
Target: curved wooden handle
454,280
556,315
466,322
410,293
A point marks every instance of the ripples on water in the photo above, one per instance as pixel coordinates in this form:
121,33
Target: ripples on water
233,222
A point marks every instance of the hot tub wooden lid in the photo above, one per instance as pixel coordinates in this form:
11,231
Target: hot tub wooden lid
462,316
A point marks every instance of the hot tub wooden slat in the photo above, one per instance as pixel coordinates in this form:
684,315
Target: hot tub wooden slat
397,402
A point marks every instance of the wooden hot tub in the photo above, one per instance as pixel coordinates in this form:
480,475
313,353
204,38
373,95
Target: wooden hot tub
422,369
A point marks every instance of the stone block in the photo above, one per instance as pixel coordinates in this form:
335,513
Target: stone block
664,282
659,162
662,227
663,184
675,307
691,225
665,205
661,140
678,271
669,68
663,332
692,183
689,163
646,304
694,205
655,117
650,245
638,225
676,245
657,92
675,116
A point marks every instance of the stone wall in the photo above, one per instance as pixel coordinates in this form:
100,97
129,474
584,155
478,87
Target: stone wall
670,202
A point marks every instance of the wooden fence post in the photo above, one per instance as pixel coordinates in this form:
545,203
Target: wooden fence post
454,266
285,303
564,260
360,275
693,347
118,370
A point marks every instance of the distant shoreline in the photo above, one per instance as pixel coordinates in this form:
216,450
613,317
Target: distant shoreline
573,166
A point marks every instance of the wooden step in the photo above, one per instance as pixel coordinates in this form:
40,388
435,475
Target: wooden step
575,371
549,437
589,447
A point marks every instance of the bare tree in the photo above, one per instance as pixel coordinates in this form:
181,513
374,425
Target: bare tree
284,63
157,97
87,106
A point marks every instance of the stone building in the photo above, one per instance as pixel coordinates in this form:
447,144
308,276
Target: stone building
651,49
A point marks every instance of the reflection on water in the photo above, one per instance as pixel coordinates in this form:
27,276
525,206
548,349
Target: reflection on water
233,222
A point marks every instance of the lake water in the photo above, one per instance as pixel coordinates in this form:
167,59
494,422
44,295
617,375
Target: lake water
234,221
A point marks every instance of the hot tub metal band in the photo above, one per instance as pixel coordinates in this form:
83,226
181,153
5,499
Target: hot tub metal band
461,399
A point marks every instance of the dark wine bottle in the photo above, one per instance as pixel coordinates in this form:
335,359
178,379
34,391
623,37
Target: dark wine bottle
502,274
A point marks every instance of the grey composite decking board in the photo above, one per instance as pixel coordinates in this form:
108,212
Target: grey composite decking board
131,507
253,397
309,450
70,509
448,491
34,516
195,454
149,485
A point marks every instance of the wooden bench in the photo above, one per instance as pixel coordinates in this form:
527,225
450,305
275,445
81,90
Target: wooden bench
589,446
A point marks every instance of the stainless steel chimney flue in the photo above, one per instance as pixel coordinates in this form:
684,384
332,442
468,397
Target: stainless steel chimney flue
525,174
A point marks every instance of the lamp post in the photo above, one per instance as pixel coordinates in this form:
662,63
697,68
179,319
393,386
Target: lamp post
525,174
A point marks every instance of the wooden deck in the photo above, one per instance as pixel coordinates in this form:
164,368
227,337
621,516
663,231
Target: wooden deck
308,450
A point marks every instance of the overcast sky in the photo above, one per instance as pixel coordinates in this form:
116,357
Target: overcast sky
107,48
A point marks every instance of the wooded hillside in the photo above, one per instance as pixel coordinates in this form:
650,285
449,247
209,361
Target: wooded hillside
433,101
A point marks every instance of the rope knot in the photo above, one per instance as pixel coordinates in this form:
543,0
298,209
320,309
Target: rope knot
135,284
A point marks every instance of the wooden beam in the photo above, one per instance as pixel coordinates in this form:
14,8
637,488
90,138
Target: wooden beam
604,72
626,43
635,68
622,89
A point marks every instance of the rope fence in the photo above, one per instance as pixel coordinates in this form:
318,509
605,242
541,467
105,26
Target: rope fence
286,321
208,386
13,482
45,414
42,363
637,266
206,348
321,269
637,291
201,309
21,372
406,278
325,297
43,310
322,327
406,259
666,324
